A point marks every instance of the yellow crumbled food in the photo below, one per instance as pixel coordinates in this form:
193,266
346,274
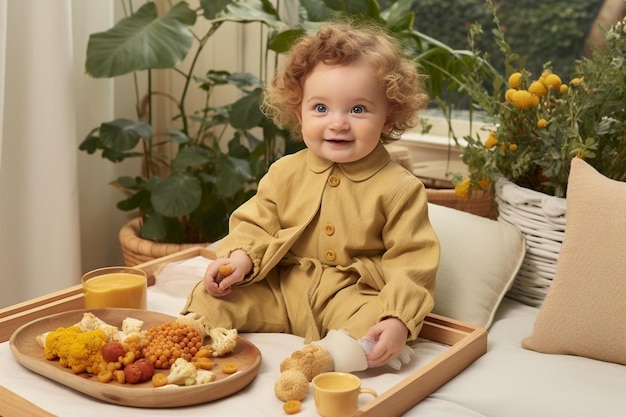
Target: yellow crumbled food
76,349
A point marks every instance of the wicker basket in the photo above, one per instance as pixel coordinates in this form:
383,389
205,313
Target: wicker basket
136,249
541,219
479,202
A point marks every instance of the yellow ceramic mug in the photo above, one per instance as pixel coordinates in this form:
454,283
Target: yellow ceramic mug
336,394
115,287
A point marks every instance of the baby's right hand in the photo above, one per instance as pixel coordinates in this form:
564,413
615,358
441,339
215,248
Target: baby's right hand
223,273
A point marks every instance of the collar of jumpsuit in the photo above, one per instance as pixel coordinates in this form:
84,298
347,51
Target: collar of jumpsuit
360,170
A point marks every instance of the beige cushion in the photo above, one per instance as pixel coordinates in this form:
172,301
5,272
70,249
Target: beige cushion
480,258
584,312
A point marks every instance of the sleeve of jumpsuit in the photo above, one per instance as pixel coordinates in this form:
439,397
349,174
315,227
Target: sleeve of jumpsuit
409,264
267,224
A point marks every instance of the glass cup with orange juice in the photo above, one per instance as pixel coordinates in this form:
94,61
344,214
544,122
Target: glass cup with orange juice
115,287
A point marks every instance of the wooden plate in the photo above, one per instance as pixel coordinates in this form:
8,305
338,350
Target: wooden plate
28,353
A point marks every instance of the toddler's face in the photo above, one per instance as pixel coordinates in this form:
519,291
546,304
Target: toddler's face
343,112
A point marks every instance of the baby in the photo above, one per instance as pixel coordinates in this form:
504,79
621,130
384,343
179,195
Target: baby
337,237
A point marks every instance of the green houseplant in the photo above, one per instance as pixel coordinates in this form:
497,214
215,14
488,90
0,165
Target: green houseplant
208,160
218,154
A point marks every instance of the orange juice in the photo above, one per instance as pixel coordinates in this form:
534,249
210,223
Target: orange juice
115,287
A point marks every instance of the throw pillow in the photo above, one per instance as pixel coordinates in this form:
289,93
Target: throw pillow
480,258
584,312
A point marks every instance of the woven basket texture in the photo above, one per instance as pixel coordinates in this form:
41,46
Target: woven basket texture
137,250
541,219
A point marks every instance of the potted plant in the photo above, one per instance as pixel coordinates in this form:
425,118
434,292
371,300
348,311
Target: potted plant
217,154
539,123
208,160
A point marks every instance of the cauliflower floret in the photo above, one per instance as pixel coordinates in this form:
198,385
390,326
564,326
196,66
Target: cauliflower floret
180,371
41,339
204,376
58,341
197,322
223,341
132,327
291,385
76,349
311,360
91,322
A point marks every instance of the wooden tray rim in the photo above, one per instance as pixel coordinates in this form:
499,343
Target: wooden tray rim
467,343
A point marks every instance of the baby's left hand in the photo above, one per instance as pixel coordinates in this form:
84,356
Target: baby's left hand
390,336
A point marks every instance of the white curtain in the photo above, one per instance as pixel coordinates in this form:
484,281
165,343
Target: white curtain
47,190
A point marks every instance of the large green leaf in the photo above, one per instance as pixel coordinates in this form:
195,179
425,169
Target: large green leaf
141,41
212,8
399,17
368,8
233,175
177,195
190,156
283,41
246,12
245,113
119,134
316,10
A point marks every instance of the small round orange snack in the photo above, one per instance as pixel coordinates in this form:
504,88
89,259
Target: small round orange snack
229,368
225,270
158,380
292,406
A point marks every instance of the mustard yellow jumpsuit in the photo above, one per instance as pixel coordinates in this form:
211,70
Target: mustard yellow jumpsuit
334,246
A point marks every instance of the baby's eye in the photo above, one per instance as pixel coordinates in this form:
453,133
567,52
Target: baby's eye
358,109
320,108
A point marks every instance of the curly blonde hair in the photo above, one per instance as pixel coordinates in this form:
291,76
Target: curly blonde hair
343,43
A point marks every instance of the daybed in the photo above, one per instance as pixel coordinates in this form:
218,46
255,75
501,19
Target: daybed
584,317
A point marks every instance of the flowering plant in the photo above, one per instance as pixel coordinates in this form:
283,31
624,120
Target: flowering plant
538,124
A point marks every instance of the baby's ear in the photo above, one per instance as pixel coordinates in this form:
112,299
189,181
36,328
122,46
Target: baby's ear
388,126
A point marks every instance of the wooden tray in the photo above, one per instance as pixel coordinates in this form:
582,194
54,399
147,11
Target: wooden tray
27,352
466,344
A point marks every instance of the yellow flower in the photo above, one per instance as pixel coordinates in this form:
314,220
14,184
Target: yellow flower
541,123
462,189
513,147
576,81
492,140
484,183
564,89
535,101
553,81
537,88
508,94
522,99
514,79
